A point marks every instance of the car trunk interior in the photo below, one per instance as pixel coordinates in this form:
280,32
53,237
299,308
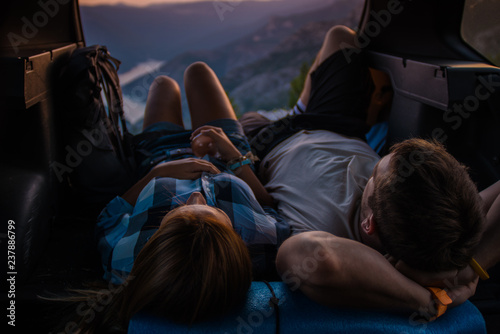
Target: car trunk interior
418,46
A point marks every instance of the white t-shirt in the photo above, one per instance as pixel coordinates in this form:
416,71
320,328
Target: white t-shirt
318,178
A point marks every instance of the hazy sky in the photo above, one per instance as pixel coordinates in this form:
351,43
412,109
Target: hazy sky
137,2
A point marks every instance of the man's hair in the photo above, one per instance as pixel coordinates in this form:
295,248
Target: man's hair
428,210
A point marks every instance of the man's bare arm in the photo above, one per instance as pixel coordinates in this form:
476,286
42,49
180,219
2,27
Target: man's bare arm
489,195
488,252
341,272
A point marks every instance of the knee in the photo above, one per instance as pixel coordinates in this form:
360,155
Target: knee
197,69
341,37
166,83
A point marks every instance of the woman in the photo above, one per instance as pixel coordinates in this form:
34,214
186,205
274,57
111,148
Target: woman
184,241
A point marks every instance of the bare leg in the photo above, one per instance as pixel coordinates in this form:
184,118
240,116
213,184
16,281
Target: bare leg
206,97
164,102
334,39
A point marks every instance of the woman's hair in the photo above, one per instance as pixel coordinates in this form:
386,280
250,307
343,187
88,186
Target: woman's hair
193,268
428,210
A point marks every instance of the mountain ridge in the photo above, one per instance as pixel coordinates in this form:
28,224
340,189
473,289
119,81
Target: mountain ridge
256,70
164,31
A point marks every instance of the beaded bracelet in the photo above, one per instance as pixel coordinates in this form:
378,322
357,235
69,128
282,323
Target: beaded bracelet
246,159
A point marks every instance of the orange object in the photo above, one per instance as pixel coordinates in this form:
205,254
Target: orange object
442,301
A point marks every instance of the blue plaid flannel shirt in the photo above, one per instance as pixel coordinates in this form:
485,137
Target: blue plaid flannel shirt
122,229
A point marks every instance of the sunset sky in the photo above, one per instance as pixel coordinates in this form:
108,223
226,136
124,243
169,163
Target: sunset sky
139,3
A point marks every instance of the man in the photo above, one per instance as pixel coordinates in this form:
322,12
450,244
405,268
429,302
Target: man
419,206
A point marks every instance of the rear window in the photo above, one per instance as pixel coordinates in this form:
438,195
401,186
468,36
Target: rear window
481,27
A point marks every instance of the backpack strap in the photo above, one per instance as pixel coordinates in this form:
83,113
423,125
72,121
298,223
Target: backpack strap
107,67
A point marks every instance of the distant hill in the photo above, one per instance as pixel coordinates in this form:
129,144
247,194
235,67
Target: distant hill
161,32
256,70
265,82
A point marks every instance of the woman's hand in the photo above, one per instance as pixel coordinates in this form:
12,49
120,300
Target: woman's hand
203,145
227,151
184,169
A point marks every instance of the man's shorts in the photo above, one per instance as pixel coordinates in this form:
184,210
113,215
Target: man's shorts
165,141
341,89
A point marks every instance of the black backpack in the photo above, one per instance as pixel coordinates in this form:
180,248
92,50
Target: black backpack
97,159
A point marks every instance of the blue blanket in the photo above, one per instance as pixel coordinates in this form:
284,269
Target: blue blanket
298,314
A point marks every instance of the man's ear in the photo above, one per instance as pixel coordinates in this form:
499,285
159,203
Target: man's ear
369,225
